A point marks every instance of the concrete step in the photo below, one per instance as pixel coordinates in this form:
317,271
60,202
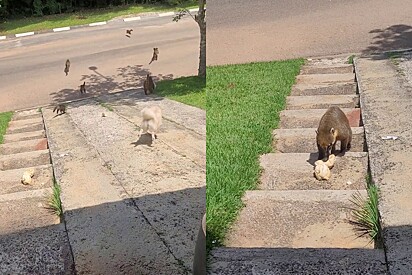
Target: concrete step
9,138
289,261
23,146
324,69
303,140
296,219
10,180
321,101
23,126
325,78
294,171
24,115
324,89
26,214
309,118
32,239
22,160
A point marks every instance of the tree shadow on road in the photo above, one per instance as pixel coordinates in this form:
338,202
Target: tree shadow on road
125,78
394,37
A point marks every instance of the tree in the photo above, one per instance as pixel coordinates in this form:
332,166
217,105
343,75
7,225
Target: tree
201,21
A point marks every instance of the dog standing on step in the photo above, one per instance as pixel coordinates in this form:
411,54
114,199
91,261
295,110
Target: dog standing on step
152,119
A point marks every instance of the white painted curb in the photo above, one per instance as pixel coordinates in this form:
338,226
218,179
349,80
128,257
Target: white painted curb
132,19
97,24
194,10
166,14
2,37
24,34
61,29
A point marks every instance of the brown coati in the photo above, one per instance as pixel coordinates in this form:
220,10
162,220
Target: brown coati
155,55
61,108
333,126
67,67
129,32
148,85
83,88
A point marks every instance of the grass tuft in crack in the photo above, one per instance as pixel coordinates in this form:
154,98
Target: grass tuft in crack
350,59
4,122
365,213
55,203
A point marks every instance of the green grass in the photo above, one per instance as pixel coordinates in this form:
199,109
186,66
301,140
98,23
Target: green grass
188,90
4,122
105,105
14,26
243,105
365,213
350,59
55,203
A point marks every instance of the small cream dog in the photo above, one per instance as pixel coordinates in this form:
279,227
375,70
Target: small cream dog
152,119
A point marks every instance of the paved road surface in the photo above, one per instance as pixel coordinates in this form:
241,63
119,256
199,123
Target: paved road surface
245,31
31,68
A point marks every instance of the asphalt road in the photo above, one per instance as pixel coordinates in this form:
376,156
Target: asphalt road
243,31
31,68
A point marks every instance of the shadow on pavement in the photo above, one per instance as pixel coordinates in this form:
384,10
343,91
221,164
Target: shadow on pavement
392,38
131,77
107,239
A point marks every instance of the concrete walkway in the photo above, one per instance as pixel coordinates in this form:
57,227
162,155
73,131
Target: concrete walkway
387,108
129,207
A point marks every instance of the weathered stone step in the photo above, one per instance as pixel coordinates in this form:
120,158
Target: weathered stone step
22,160
325,78
324,89
289,261
24,115
26,214
296,219
23,146
294,171
32,239
303,140
309,118
321,101
10,180
22,126
324,69
8,138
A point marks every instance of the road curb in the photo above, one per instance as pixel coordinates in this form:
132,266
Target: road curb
68,28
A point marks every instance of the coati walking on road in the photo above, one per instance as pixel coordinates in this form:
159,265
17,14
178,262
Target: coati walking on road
83,88
333,126
67,67
155,55
148,85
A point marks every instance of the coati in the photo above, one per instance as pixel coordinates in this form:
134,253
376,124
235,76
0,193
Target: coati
152,119
61,108
67,68
148,85
129,31
333,126
83,88
155,55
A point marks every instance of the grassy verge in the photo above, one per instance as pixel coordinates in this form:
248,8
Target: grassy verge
188,90
243,105
4,122
14,26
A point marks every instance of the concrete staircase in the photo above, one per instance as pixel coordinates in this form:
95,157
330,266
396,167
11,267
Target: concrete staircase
32,239
295,224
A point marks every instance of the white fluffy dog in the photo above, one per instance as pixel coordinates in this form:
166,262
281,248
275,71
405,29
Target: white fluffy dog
152,119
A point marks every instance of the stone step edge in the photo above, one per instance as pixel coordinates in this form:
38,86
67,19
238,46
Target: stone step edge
38,193
303,195
39,152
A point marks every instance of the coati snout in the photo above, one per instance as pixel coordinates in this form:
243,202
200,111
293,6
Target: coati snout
333,126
